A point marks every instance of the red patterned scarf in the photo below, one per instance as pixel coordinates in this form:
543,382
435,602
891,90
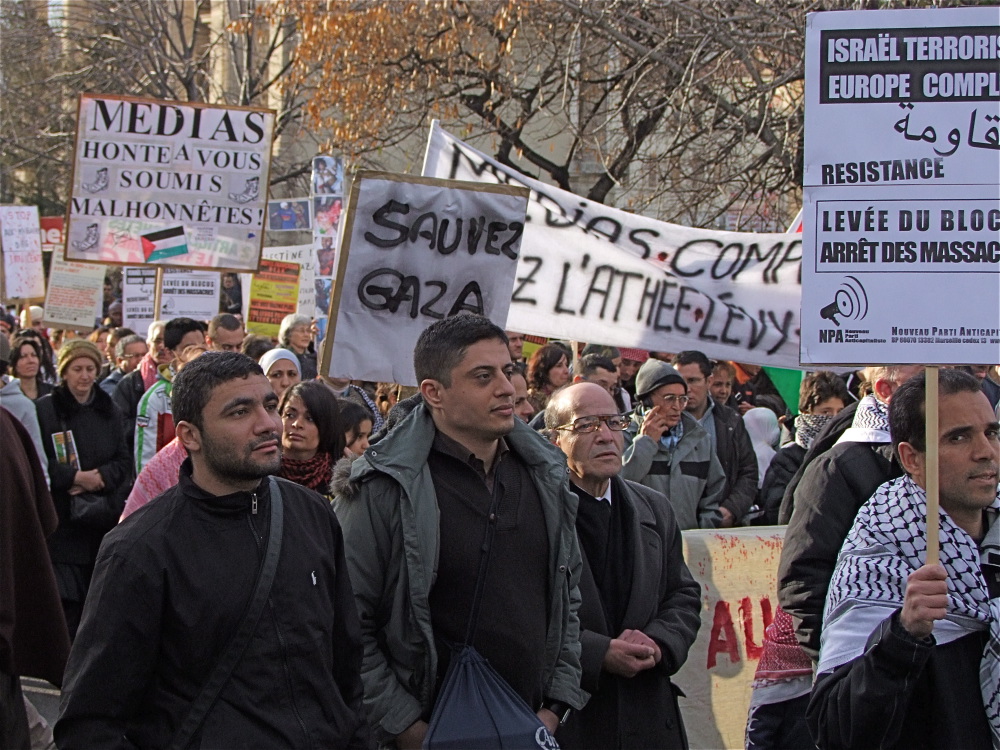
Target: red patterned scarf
149,368
314,473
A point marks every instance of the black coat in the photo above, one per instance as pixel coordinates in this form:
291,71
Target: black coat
824,441
128,393
33,637
832,491
665,604
170,587
739,462
100,442
780,472
903,693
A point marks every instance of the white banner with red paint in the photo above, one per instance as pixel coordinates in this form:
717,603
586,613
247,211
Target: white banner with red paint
738,571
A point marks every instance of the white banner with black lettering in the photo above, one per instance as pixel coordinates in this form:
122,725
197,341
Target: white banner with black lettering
901,209
594,273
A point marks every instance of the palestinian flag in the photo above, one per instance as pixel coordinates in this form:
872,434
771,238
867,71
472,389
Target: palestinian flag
163,244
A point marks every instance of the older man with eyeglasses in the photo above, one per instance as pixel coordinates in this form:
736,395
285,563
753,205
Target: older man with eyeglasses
640,607
668,451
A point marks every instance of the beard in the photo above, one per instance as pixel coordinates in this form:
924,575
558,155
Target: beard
230,465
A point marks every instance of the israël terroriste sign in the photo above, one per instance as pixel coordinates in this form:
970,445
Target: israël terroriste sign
901,219
595,273
169,183
416,250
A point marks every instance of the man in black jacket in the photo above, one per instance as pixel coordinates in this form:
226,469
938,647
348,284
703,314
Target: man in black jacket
730,438
909,657
172,583
640,607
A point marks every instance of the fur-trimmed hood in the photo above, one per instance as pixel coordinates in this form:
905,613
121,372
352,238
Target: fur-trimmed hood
340,484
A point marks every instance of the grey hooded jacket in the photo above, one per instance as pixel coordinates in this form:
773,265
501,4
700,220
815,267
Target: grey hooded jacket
690,476
389,513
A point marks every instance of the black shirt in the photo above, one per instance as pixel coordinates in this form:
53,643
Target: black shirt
603,531
513,616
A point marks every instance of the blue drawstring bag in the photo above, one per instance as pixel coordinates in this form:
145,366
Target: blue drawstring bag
477,710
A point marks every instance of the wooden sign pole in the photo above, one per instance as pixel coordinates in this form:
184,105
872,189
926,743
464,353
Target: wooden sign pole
931,457
158,294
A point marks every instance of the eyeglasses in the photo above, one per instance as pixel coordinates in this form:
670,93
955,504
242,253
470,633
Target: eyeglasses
583,425
670,399
132,356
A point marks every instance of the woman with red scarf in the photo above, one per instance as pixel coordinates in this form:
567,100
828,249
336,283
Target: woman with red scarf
312,438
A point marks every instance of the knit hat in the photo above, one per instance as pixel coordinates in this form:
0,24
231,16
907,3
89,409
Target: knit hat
32,314
652,375
74,349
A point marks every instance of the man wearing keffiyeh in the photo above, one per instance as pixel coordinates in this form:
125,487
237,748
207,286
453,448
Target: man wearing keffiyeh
911,652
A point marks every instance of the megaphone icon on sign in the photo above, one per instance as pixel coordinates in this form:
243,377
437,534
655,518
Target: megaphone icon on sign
850,301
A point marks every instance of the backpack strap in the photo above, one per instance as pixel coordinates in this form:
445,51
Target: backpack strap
237,645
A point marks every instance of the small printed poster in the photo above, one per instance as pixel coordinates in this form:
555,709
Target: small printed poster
274,293
21,245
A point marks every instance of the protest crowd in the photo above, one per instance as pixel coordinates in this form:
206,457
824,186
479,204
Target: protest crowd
219,546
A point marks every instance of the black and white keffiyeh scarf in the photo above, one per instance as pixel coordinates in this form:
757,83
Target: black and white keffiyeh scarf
886,544
870,425
807,427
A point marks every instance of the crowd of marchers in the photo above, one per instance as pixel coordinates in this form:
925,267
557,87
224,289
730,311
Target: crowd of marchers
208,542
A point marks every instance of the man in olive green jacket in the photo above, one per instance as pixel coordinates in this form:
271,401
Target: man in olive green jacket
397,508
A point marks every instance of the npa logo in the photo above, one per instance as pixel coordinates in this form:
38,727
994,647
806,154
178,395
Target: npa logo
831,335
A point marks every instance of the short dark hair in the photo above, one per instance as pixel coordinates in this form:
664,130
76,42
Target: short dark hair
324,411
193,385
907,422
818,387
543,360
693,357
132,338
256,347
177,329
117,334
591,363
443,344
223,320
610,352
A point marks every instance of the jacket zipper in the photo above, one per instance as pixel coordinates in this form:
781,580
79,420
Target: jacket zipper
288,674
253,504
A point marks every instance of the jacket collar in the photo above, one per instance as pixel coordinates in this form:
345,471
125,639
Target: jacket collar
66,403
236,502
403,452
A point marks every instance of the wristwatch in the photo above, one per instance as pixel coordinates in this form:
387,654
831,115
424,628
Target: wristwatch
560,709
